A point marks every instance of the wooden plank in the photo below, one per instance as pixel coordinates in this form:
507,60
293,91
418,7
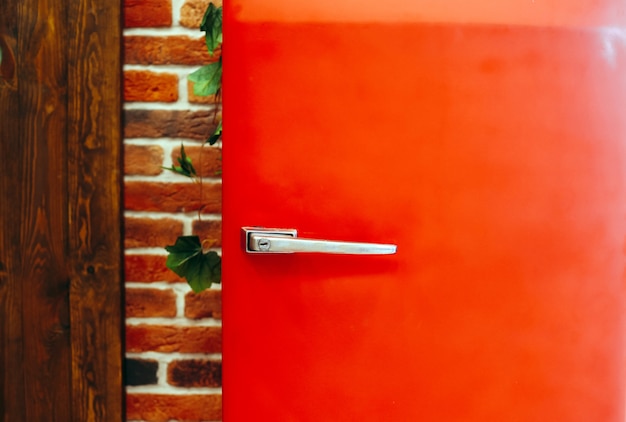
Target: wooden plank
60,238
11,345
94,180
42,69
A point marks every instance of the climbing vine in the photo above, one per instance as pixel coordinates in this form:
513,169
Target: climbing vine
188,257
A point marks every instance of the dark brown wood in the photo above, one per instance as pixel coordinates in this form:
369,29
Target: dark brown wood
60,222
94,155
42,69
11,345
36,356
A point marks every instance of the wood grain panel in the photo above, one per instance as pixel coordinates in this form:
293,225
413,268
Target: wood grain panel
60,223
94,86
11,345
42,68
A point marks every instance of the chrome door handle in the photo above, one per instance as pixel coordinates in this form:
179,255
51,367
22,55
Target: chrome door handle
263,240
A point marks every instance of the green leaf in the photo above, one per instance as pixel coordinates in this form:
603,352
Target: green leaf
186,167
212,27
207,80
187,260
217,134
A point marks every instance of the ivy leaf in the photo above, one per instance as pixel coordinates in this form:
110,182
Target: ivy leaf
212,27
186,167
187,260
208,79
217,134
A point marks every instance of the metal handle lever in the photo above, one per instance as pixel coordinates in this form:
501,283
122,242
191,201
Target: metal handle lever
262,240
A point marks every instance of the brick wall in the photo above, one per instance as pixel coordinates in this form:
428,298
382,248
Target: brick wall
173,337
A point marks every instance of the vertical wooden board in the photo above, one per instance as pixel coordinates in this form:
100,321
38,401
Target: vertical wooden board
94,176
60,209
11,346
42,215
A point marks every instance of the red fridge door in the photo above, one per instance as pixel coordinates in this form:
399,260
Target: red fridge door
488,142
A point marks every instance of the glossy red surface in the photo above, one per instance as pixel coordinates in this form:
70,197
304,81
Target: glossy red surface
494,156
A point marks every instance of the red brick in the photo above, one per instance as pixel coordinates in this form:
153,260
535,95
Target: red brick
151,232
195,373
148,268
192,11
206,304
143,160
148,303
209,231
175,49
173,197
146,86
168,339
140,371
198,125
163,408
206,160
196,99
147,13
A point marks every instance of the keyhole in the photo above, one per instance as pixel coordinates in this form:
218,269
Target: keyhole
264,245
